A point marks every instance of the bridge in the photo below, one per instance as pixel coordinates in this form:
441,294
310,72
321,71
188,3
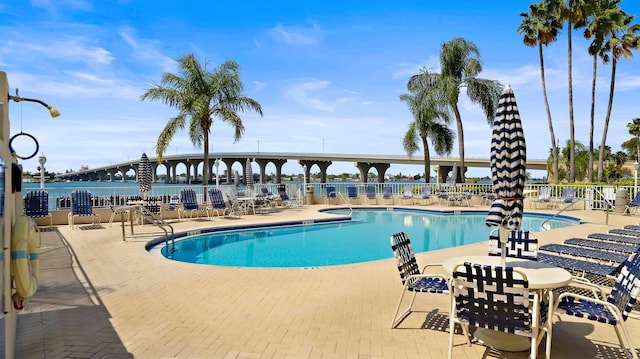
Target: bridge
364,163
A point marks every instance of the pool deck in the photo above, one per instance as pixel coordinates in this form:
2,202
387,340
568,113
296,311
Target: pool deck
101,297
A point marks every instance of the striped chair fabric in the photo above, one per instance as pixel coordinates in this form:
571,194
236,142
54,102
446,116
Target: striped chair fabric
36,205
520,244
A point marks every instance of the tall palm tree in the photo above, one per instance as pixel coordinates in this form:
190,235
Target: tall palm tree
430,121
200,96
634,130
623,37
459,67
540,27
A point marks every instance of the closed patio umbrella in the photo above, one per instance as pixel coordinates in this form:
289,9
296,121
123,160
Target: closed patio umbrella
508,166
248,175
145,175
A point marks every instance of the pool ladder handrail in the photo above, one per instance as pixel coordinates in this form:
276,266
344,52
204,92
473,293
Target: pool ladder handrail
346,201
156,221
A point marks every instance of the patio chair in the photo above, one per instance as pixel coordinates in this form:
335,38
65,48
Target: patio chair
331,194
407,195
612,309
632,207
36,205
544,196
189,202
118,210
387,193
81,206
371,194
567,198
520,244
218,204
498,298
413,279
352,194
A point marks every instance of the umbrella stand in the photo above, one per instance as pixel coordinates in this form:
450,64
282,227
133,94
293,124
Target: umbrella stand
503,235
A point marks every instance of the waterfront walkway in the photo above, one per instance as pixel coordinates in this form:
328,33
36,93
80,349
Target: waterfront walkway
101,297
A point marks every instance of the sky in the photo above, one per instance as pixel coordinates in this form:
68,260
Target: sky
328,75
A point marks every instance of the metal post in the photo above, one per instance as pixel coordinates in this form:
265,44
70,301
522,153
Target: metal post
635,178
437,168
42,160
217,164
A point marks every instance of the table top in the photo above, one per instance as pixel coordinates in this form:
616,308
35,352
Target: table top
539,275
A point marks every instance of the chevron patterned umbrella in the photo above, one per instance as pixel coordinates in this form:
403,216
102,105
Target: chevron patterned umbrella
145,175
248,175
508,164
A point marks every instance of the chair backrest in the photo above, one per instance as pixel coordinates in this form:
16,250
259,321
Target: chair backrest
189,199
174,201
408,191
331,192
284,196
387,192
627,286
81,203
520,244
265,191
36,203
568,194
545,194
491,297
216,198
635,202
371,191
352,191
403,253
426,192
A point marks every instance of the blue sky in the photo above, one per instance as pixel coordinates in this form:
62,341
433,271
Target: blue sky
327,73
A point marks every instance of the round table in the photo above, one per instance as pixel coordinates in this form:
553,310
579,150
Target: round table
540,276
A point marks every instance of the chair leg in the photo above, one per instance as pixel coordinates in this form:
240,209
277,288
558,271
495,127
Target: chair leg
397,318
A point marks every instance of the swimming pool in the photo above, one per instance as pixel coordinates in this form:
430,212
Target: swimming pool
364,238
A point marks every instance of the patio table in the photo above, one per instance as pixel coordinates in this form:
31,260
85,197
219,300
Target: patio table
541,277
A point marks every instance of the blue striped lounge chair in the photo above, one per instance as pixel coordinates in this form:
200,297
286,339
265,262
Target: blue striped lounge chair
614,238
567,198
82,206
544,196
189,202
582,267
413,279
331,194
371,194
407,195
218,204
387,193
36,205
425,196
625,232
585,253
613,309
632,207
602,245
352,194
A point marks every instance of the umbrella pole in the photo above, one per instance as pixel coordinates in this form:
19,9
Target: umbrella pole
503,234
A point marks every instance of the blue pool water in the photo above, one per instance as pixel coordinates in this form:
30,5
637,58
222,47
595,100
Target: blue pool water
365,238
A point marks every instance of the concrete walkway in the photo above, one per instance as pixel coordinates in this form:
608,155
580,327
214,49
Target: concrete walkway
101,297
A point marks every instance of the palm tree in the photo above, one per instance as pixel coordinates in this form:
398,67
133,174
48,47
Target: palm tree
540,27
200,96
430,121
634,130
623,37
459,67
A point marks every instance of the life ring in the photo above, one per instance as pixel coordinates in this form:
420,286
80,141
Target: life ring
24,260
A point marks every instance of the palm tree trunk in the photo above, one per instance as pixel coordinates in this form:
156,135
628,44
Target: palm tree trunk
572,139
205,167
608,117
427,160
461,169
593,115
554,148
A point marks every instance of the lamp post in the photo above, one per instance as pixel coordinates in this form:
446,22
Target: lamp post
437,168
42,160
635,177
217,164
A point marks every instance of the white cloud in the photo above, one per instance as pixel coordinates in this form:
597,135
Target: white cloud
147,50
295,36
306,93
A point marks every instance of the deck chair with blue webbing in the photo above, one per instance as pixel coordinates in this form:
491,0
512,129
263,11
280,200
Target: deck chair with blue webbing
36,205
632,207
189,202
82,206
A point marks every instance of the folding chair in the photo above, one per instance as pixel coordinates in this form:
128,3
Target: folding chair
36,205
81,206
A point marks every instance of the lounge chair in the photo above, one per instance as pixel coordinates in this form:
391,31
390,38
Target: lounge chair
123,211
331,194
36,205
520,244
544,196
217,203
605,256
498,298
612,309
81,206
407,195
632,207
567,198
633,227
387,193
413,279
625,232
371,194
425,196
578,266
614,238
352,194
602,245
189,202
